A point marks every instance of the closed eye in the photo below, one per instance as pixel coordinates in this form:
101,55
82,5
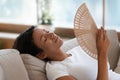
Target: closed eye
43,38
46,31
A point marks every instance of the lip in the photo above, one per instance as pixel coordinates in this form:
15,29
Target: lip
56,39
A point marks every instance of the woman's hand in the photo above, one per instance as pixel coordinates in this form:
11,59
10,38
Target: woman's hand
102,46
102,42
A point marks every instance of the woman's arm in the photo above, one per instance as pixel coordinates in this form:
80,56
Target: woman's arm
102,46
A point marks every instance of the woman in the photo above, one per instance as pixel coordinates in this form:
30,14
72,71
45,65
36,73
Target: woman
46,46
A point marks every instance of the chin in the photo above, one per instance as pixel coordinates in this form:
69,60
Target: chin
61,42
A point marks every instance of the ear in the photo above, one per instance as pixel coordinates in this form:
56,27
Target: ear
41,56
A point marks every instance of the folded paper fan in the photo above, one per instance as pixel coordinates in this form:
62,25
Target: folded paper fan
85,30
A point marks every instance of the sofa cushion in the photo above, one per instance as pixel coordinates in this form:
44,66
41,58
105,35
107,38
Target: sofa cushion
35,67
117,69
12,65
1,74
114,49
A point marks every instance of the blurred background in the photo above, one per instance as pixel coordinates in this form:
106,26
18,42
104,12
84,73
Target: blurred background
59,13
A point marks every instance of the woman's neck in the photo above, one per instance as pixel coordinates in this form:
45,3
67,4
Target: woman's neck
60,56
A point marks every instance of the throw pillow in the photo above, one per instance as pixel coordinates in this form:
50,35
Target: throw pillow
35,67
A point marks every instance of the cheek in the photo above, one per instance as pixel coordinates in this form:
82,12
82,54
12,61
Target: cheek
37,43
50,45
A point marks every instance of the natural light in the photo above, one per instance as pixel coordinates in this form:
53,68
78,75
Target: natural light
62,12
18,11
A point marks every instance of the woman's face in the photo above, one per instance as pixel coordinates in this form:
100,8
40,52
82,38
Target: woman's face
48,42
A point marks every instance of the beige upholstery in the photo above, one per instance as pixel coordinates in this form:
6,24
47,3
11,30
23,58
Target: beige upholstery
117,69
114,50
35,67
1,74
12,65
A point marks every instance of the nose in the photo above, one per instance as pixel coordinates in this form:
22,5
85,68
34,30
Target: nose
50,35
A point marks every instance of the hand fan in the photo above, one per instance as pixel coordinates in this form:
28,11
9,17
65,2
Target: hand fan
85,30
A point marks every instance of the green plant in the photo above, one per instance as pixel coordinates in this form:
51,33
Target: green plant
46,17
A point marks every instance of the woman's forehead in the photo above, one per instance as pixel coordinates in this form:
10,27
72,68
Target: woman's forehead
38,30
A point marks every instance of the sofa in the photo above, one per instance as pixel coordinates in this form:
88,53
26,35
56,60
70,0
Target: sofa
16,66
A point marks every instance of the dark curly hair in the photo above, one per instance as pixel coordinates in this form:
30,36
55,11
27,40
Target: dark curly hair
24,43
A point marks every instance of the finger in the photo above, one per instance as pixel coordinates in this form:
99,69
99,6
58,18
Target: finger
102,28
104,34
101,33
98,34
106,37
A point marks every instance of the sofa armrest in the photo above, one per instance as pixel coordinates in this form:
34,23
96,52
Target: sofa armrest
12,65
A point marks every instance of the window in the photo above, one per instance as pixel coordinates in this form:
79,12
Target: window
64,12
60,13
18,11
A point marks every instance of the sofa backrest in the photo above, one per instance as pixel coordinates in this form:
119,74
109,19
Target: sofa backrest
12,65
114,49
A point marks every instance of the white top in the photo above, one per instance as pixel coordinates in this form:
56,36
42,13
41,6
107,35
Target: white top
79,65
